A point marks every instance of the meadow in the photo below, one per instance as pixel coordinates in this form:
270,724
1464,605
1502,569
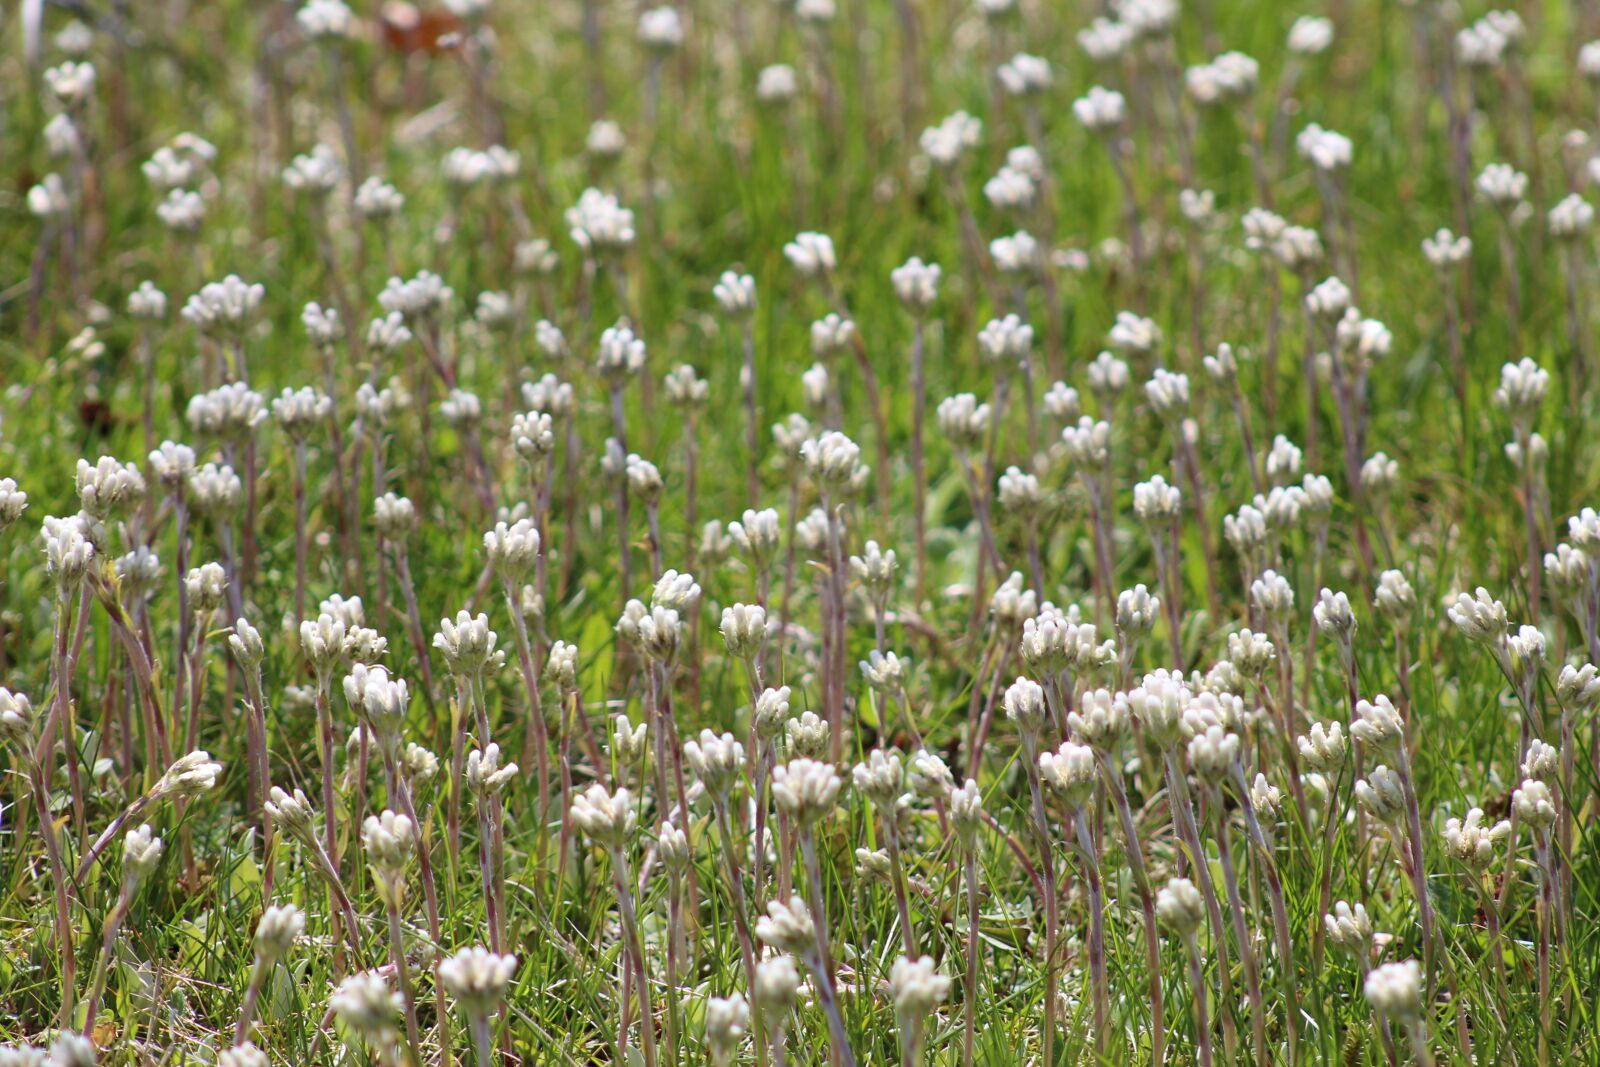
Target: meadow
813,531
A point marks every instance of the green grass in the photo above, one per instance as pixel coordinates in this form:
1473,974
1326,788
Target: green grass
734,181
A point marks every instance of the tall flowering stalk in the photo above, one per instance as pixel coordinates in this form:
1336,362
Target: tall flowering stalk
1102,722
608,819
468,647
390,841
1159,704
512,552
917,285
1025,706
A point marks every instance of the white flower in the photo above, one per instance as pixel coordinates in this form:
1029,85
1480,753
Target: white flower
1395,990
1502,185
1105,39
735,294
71,82
776,84
1324,149
322,19
660,28
477,979
946,143
315,173
1180,906
1310,35
599,223
916,987
811,254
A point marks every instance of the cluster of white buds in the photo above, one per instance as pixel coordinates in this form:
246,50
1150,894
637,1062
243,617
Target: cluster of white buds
660,28
1071,772
917,988
1100,110
1230,76
1013,255
805,789
1103,39
468,645
1349,929
758,535
105,487
147,302
727,1021
744,629
71,82
365,1003
205,586
629,743
1534,805
315,173
390,841
599,224
1571,218
1577,688
1011,189
246,1054
461,409
141,853
716,761
605,141
512,549
279,927
377,200
467,167
1310,35
1180,907
806,737
685,389
388,334
1324,149
1502,185
215,490
1523,386
1444,249
68,550
1025,75
16,717
324,19
229,412
777,84
834,463
811,254
49,198
946,143
485,775
1479,617
885,672
300,411
188,777
1382,795
1469,842
735,294
1394,990
1005,342
477,979
607,818
227,306
788,927
1138,335
620,354
1024,705
533,438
